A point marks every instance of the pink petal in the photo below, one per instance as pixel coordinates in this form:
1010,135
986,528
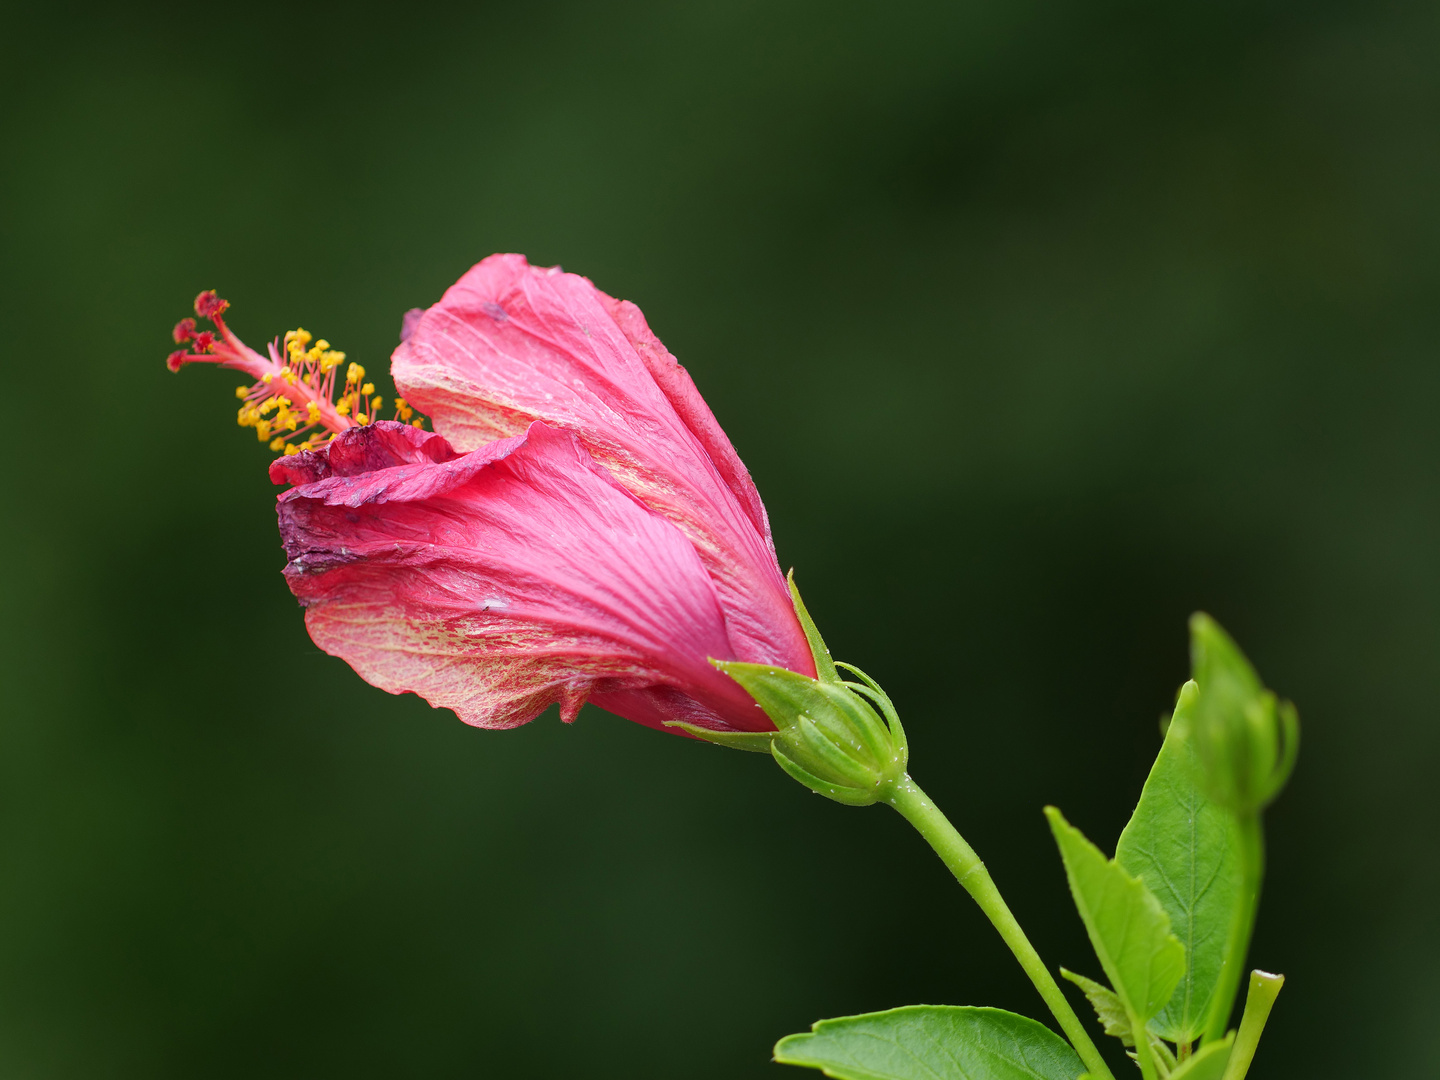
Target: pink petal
499,581
387,445
679,389
510,343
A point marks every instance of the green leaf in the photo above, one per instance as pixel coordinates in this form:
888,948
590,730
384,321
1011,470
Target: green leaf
1183,847
1107,1005
824,665
933,1042
1208,1063
1128,928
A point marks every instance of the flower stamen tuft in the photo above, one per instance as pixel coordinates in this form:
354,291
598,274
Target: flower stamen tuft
293,403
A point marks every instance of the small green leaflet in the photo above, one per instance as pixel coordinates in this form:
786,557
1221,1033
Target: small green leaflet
1208,1064
1128,928
1181,845
933,1042
1111,1012
1107,1005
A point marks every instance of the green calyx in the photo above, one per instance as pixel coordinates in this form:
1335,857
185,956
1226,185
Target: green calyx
828,736
841,739
1245,738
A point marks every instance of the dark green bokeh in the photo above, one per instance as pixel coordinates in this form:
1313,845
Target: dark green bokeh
1040,326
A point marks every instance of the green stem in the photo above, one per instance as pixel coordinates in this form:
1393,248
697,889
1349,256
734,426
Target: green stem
1144,1052
1264,988
1242,924
916,808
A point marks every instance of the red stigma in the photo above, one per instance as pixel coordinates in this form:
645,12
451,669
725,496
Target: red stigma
184,330
175,360
208,304
204,341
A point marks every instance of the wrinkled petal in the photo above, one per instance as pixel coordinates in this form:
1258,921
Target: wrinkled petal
510,344
497,582
387,445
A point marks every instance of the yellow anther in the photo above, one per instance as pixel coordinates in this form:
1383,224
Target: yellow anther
417,424
375,404
312,369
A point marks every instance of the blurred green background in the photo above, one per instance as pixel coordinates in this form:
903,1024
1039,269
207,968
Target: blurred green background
1040,326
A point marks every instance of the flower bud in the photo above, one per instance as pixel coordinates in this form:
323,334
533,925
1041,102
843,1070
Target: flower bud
828,736
1245,738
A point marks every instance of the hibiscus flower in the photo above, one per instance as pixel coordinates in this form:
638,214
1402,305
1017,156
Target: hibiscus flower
576,528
